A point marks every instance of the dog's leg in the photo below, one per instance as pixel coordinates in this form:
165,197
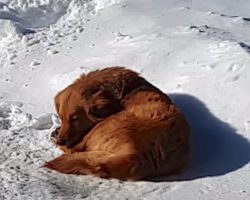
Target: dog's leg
97,163
65,150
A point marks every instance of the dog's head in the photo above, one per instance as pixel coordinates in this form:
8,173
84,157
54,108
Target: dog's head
91,99
80,109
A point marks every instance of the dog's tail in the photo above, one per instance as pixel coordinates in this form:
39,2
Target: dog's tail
98,163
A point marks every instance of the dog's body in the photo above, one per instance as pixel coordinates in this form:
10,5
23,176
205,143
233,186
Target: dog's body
117,125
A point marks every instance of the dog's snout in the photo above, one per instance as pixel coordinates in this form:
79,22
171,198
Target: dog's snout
54,134
56,138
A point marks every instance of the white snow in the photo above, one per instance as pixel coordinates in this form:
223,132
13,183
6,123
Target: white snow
196,51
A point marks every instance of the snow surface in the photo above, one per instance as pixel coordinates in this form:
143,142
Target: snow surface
196,51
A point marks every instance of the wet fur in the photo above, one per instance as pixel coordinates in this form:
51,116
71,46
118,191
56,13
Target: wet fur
128,129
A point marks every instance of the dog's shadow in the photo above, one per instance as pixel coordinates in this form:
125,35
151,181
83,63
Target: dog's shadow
217,149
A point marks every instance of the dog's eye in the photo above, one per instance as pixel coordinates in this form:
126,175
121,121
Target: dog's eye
73,118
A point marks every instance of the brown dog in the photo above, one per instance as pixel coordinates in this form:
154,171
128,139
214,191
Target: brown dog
115,124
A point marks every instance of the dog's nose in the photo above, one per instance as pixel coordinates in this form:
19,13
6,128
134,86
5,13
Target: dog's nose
54,137
54,133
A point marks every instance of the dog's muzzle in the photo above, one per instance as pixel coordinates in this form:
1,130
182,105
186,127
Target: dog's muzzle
54,135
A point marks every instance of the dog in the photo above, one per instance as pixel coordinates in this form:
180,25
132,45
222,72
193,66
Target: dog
115,124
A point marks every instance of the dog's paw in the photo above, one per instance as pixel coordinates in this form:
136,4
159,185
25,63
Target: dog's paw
65,164
59,164
66,150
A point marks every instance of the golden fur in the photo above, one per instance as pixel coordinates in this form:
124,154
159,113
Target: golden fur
115,124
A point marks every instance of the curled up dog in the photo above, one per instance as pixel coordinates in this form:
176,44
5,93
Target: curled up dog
115,124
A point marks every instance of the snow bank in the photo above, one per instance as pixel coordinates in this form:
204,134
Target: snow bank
43,13
49,19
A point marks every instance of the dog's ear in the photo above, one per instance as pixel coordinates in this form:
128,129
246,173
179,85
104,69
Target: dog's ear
57,103
102,102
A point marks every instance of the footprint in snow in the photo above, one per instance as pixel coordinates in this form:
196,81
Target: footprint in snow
52,52
235,67
119,37
34,63
233,78
12,117
208,67
180,81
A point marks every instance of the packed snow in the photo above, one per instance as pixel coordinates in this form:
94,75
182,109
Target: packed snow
196,51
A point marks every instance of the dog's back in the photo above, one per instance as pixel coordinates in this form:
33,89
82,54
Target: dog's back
147,139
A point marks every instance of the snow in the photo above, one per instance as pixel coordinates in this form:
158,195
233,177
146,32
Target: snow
196,51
